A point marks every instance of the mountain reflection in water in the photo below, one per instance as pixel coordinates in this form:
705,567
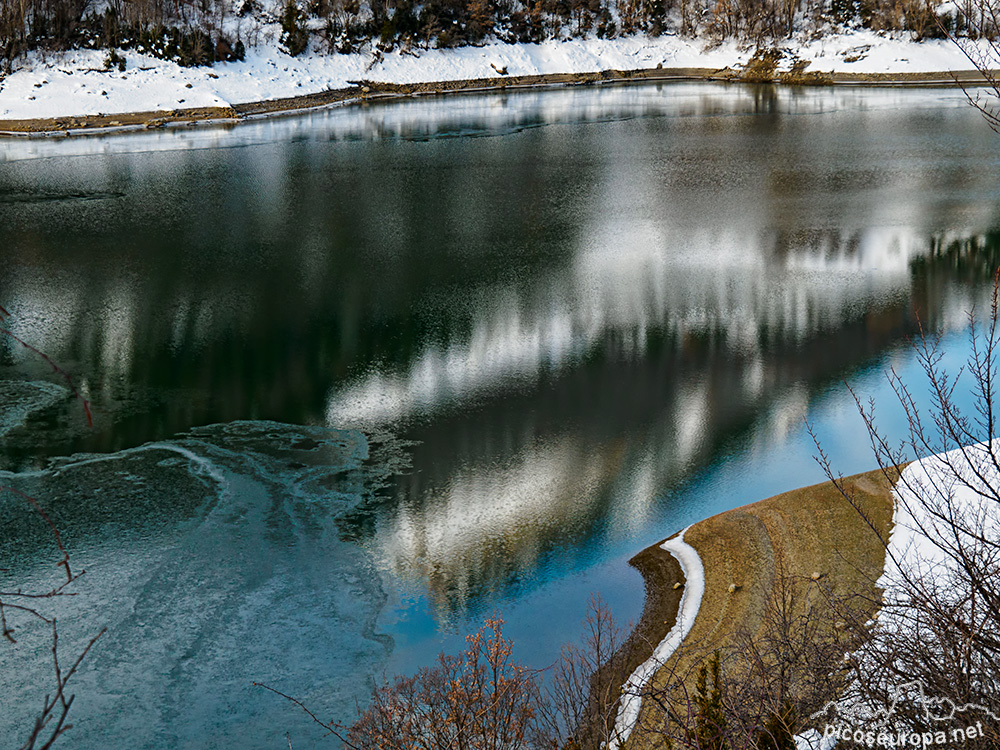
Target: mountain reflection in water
560,327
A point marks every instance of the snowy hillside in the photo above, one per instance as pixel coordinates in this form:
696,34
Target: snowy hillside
89,57
75,83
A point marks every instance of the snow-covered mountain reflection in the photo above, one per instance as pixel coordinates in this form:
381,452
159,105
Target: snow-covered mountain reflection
708,340
566,322
526,348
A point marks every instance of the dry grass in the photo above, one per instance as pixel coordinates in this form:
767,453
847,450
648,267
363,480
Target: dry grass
763,68
813,530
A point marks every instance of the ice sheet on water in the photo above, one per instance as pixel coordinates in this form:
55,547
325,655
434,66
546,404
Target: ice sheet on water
215,560
21,399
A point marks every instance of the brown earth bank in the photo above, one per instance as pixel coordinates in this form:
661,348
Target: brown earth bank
664,582
369,91
812,535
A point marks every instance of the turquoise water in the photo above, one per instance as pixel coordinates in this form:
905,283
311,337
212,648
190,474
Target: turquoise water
363,377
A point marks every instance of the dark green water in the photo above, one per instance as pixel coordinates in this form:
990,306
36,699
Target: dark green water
362,377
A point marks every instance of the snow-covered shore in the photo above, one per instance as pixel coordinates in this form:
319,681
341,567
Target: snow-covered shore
694,589
76,84
946,517
945,523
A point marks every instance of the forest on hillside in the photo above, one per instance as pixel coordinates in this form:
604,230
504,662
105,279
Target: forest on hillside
200,32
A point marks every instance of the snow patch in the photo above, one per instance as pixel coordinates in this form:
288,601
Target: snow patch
813,740
961,484
694,590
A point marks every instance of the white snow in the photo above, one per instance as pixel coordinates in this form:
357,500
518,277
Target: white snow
871,52
694,590
812,740
962,485
75,84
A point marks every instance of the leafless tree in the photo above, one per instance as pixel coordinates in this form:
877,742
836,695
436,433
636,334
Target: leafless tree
483,699
940,621
586,684
480,698
974,27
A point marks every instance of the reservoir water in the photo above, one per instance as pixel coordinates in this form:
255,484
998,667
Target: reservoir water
363,377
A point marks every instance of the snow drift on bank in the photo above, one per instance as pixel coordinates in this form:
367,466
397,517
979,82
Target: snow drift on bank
946,507
687,611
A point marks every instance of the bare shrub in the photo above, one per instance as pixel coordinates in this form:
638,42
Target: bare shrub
940,621
482,699
758,690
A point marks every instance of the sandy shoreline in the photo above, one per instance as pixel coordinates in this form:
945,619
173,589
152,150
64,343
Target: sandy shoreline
82,125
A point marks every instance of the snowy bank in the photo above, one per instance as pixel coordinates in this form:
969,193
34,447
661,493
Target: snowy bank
76,83
946,505
946,523
687,611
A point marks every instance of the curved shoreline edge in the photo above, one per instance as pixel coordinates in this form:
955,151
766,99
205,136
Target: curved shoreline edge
371,91
694,589
813,534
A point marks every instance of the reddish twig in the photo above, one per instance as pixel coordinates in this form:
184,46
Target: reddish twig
58,705
55,368
64,563
332,727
